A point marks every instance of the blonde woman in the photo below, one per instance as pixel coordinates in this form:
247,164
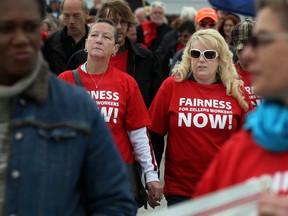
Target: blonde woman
198,108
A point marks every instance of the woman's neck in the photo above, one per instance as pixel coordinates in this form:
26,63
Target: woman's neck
96,67
205,81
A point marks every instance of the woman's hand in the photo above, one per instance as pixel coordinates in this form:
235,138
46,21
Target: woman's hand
155,193
273,205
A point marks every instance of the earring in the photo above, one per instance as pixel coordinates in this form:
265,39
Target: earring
218,69
114,54
85,50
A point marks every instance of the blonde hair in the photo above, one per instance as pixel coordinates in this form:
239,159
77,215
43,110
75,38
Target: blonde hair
228,75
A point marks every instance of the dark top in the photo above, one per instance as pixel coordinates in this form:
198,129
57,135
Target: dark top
59,47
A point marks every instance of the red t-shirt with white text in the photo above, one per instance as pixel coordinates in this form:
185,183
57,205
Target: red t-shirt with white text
245,77
241,159
120,102
198,118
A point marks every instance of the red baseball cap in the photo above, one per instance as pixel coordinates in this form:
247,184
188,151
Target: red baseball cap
206,13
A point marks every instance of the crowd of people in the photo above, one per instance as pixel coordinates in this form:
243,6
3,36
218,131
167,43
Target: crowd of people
199,90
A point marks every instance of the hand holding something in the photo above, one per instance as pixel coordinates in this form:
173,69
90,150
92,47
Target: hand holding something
155,193
273,205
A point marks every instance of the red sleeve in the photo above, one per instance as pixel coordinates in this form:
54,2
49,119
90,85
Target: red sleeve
159,109
136,112
247,98
250,106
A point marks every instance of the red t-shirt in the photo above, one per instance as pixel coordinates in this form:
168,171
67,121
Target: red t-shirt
245,77
198,119
120,61
241,159
120,103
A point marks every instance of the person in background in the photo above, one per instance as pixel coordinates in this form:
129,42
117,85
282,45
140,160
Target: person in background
49,24
140,63
261,147
54,153
199,107
185,31
221,14
62,44
151,32
188,13
54,8
205,18
134,4
166,49
120,102
61,23
241,33
132,34
140,14
97,4
225,29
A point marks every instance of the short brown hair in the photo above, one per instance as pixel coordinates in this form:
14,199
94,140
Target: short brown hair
116,8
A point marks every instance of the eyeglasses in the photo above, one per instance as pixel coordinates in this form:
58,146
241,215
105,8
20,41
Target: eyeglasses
208,54
264,39
123,23
204,24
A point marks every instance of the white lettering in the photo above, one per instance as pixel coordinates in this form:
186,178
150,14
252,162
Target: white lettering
183,118
197,122
105,114
205,103
218,121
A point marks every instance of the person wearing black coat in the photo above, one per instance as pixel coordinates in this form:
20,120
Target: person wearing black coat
62,44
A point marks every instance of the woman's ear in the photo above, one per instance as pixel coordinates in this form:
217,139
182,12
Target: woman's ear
116,48
85,48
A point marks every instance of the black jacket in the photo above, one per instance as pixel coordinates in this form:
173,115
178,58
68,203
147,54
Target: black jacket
142,64
54,51
166,51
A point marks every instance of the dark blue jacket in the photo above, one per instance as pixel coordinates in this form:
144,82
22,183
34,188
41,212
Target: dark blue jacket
63,161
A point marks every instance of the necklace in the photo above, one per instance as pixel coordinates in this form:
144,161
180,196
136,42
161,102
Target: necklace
96,85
